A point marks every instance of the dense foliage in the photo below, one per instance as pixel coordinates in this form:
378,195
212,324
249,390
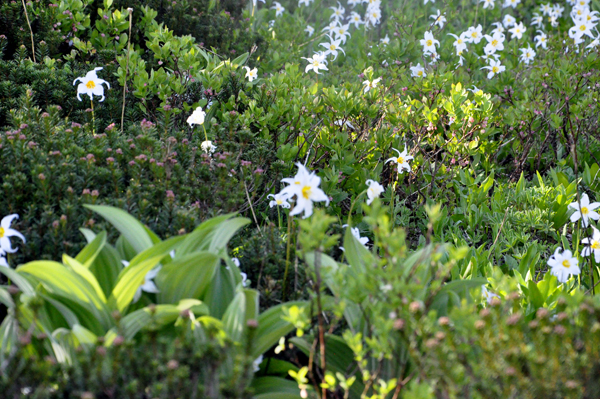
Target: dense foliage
415,185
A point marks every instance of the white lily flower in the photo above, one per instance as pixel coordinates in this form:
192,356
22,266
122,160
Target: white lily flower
487,3
316,62
584,210
332,47
563,264
418,71
517,31
402,160
355,19
527,55
374,191
6,232
251,74
488,295
310,30
439,19
474,34
3,262
429,42
370,84
494,68
593,245
541,40
278,8
495,43
91,85
197,117
385,41
356,233
279,200
508,21
511,3
306,189
208,147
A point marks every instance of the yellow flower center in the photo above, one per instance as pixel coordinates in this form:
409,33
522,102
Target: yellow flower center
494,43
279,202
429,43
474,34
420,73
90,84
582,27
584,210
595,245
315,63
459,41
400,160
306,192
1,232
332,47
495,69
566,263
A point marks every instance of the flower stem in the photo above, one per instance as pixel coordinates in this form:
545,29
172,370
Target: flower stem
126,70
93,118
30,30
287,255
205,135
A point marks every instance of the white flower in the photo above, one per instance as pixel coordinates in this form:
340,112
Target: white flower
440,20
429,42
236,261
338,12
499,28
3,262
91,85
402,160
582,27
508,21
332,47
373,16
517,30
387,288
527,55
537,20
370,84
494,68
315,63
278,8
585,212
541,40
355,19
197,117
340,122
488,295
279,200
305,2
256,363
374,191
418,71
254,2
310,30
473,34
342,32
251,74
495,43
487,3
385,41
6,232
305,186
511,3
460,44
563,264
208,147
593,245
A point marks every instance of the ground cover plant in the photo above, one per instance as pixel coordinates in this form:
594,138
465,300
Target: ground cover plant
358,199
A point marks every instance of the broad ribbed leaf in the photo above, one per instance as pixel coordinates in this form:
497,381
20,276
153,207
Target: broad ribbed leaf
89,253
200,238
85,273
18,280
186,277
106,266
275,388
244,307
67,284
220,291
358,256
224,231
133,231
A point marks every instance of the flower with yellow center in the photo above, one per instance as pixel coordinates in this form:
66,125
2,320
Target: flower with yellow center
6,232
251,74
592,245
374,191
278,200
305,188
584,210
563,264
91,85
402,160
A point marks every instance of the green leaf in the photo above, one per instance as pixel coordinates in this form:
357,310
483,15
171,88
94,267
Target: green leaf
107,265
220,291
133,231
89,253
244,307
186,277
85,273
275,388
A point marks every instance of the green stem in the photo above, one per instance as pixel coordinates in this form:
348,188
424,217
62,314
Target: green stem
205,135
93,118
287,255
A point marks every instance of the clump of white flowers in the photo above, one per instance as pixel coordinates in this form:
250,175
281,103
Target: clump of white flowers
304,187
